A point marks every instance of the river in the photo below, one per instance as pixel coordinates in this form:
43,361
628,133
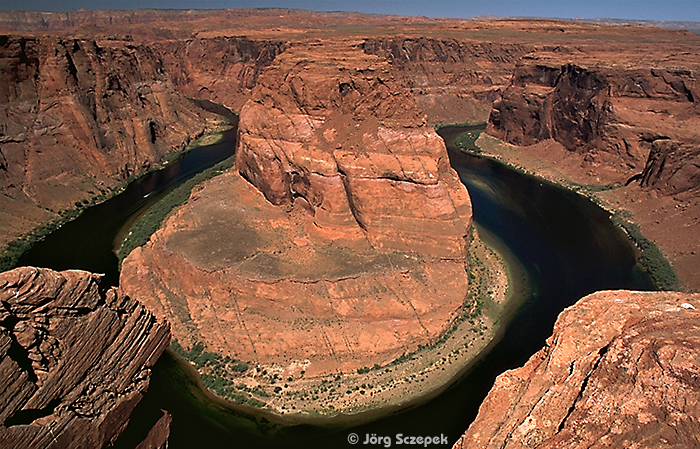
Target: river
566,244
90,241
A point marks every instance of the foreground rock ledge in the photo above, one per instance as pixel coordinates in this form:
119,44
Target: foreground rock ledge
74,359
622,369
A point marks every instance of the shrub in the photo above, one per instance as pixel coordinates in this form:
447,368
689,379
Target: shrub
651,259
239,367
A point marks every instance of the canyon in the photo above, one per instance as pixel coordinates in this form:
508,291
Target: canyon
79,119
346,231
340,239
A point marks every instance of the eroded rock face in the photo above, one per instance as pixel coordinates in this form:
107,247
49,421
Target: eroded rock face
220,69
75,359
343,136
340,239
452,80
78,117
615,114
672,167
620,370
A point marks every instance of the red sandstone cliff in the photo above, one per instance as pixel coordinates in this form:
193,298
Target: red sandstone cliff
634,117
619,120
452,79
221,69
74,359
621,369
78,117
342,135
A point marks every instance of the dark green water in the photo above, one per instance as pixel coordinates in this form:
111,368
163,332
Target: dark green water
566,244
88,242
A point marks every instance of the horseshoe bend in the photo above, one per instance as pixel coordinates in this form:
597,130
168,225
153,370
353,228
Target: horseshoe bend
336,267
338,242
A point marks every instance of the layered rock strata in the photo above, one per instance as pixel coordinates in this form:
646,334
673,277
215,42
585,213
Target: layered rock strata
75,360
77,118
620,123
452,79
636,119
221,69
621,369
340,239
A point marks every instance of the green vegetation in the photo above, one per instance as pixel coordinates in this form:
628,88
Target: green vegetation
472,307
221,386
466,141
199,357
142,230
16,248
652,259
481,125
462,137
217,374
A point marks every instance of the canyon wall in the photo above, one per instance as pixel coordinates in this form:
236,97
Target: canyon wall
74,359
637,118
619,121
78,118
621,369
221,69
339,240
453,80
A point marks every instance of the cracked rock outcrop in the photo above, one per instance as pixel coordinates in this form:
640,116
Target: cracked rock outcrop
621,369
74,359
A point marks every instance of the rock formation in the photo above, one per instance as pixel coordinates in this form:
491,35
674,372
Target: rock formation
221,69
612,113
453,80
79,117
621,369
621,100
338,241
75,360
343,212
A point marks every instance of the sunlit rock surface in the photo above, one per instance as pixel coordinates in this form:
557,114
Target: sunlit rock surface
339,240
621,369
